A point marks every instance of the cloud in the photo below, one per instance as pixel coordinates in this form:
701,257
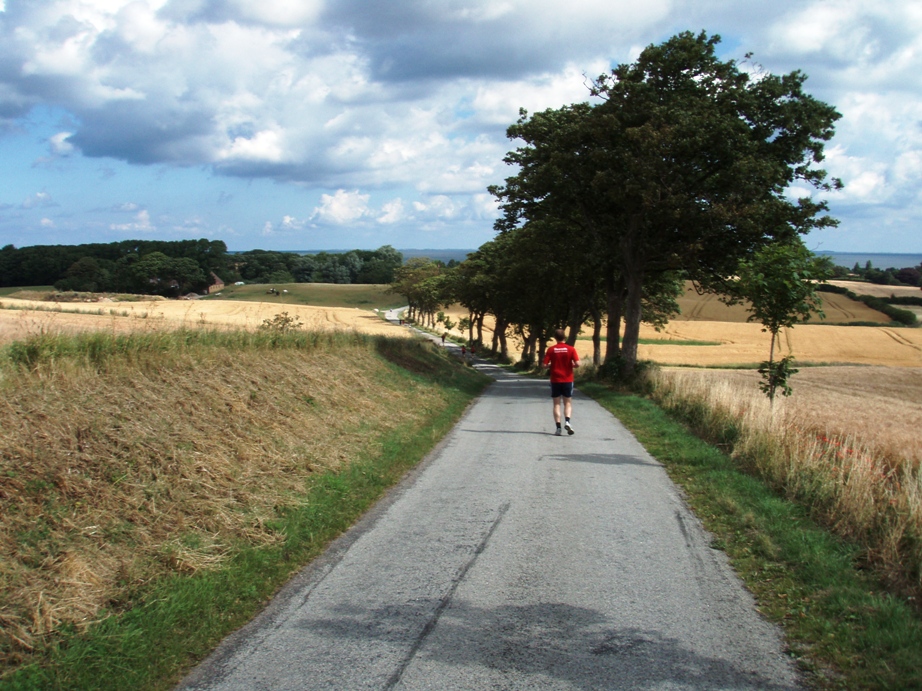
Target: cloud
141,224
391,212
341,208
39,200
412,97
59,145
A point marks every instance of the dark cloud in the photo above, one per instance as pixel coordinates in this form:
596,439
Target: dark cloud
130,131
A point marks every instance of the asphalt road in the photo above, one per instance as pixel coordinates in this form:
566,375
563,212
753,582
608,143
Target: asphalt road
515,559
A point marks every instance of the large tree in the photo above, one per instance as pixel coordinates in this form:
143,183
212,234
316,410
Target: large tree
684,165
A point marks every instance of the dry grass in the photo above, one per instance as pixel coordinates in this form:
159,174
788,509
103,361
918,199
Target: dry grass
855,457
880,406
162,461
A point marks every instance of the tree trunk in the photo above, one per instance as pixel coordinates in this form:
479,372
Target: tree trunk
633,275
771,371
501,325
574,324
596,337
615,298
528,351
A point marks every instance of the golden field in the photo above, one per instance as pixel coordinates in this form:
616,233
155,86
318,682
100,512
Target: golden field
703,319
20,318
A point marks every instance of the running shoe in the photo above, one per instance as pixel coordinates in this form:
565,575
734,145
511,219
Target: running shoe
558,433
569,427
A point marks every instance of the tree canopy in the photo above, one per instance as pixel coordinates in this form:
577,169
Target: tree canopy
680,169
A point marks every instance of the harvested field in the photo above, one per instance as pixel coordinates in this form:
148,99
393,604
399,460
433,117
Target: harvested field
746,344
741,343
19,318
878,291
839,309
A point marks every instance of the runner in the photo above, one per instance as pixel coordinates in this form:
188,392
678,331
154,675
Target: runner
562,359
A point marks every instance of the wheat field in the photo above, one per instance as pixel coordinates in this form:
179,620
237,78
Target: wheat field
20,318
703,319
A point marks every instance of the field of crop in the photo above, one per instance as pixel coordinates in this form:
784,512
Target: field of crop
881,406
741,344
878,291
19,318
839,309
320,306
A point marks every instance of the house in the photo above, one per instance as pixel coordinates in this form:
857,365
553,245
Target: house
216,285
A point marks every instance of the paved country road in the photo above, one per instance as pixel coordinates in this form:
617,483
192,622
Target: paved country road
514,559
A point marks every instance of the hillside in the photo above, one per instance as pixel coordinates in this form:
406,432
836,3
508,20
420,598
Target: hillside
839,309
130,460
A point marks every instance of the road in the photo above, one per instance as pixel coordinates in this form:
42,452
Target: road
515,559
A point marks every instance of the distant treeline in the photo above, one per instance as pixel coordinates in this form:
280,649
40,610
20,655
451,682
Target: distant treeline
177,267
909,275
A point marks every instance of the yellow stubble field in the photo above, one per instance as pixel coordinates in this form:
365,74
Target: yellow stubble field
738,342
20,318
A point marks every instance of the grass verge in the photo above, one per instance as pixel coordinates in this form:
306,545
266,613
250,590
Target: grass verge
843,627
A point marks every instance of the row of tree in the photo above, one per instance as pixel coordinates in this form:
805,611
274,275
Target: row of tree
680,170
178,267
356,266
892,276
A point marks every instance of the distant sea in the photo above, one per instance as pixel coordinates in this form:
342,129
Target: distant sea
847,259
878,261
442,255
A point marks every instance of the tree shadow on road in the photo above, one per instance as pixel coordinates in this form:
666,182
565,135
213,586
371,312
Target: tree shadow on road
601,458
533,645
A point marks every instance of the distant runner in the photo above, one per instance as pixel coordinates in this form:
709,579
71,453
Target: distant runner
562,359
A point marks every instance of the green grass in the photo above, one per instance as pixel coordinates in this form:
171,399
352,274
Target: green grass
173,623
846,631
317,294
10,290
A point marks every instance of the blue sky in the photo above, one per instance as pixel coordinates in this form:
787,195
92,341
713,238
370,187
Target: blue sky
315,124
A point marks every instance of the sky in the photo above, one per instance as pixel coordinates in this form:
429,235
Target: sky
352,124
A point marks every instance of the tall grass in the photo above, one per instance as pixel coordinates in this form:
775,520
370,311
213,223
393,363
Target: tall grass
871,497
127,460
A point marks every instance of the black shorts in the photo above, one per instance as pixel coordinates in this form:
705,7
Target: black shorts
561,388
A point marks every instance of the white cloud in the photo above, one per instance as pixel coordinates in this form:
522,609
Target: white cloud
59,145
341,208
438,207
263,146
46,223
38,200
141,224
292,223
391,212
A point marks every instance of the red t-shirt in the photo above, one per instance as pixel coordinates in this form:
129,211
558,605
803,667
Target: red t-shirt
561,357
